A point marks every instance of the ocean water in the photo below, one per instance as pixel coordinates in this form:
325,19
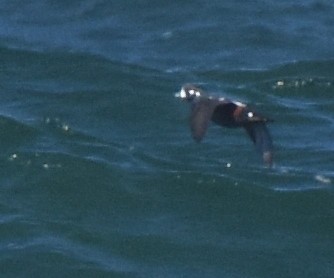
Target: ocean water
99,175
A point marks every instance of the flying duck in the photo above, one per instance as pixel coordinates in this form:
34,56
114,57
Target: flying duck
227,113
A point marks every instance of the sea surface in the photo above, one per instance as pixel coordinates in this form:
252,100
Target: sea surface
99,175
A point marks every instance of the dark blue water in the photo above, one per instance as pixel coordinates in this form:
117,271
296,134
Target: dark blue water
99,176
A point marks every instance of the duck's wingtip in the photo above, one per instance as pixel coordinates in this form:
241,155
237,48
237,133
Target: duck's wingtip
268,158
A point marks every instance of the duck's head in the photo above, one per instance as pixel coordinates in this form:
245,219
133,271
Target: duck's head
189,92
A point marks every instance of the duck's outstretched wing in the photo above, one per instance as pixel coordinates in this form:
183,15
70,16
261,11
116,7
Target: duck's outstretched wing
260,135
201,113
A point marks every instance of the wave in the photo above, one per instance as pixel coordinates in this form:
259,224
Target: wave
111,102
99,173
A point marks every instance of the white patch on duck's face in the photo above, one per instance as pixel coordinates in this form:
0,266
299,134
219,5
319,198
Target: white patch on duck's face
182,93
250,114
194,92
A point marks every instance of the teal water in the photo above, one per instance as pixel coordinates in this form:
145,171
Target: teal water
99,175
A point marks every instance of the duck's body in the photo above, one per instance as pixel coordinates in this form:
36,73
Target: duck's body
227,113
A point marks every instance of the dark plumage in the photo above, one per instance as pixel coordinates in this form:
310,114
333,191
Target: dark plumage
227,113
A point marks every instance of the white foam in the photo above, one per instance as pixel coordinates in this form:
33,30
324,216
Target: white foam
322,179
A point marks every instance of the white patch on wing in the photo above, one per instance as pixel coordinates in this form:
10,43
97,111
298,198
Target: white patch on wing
239,104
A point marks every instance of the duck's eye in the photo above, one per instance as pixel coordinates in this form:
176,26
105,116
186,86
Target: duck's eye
194,92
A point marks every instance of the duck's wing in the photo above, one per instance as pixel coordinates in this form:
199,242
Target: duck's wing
261,137
201,113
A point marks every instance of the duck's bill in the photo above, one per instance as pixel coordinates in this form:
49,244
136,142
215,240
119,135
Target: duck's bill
182,94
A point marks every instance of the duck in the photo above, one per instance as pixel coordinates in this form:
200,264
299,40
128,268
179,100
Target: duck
227,113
